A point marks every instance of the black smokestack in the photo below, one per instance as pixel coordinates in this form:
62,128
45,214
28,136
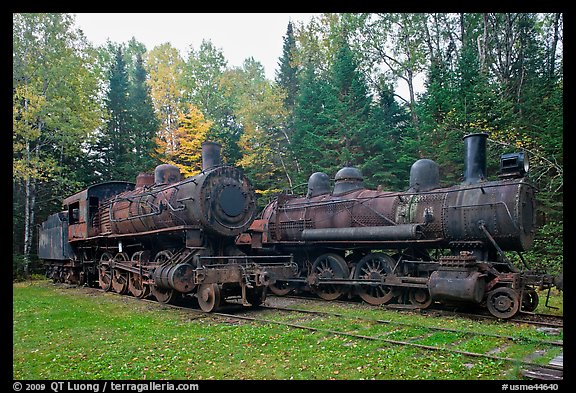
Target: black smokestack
210,155
475,158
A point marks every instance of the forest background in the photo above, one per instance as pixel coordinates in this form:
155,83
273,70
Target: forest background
84,114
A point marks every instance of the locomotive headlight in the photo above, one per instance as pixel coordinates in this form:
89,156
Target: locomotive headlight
514,164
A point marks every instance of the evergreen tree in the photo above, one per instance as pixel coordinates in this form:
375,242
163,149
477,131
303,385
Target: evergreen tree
143,121
387,149
287,74
348,107
287,80
311,142
115,143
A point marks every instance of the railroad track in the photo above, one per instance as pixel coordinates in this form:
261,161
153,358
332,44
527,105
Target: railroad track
544,320
454,339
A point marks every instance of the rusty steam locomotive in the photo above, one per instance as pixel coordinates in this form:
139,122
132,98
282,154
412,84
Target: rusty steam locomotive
416,247
163,236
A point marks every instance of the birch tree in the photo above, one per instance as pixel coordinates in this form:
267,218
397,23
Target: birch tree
55,110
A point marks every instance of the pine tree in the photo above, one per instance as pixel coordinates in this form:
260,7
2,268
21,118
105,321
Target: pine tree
143,121
287,74
387,151
349,107
287,80
310,142
115,143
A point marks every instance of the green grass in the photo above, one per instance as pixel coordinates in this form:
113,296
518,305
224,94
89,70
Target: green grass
72,333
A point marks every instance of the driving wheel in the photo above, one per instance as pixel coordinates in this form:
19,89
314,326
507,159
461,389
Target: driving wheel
374,266
330,266
105,272
120,277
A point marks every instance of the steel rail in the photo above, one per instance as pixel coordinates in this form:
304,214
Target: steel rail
408,307
382,321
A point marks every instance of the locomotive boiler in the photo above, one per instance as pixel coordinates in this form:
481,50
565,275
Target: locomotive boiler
427,244
163,236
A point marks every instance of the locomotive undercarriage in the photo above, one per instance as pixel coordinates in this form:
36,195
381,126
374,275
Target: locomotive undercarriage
410,278
171,274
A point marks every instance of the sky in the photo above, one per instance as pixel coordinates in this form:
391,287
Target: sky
237,35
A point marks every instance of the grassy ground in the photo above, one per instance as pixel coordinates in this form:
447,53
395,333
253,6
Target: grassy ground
74,333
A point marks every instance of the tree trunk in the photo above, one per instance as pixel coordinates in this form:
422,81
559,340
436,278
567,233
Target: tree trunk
29,202
410,81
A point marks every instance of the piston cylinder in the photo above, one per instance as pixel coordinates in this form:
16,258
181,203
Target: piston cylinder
458,285
179,277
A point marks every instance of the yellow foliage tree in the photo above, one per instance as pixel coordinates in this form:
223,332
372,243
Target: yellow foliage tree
191,132
164,65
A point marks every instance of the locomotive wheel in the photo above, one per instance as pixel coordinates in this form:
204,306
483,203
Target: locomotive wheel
208,297
120,282
281,288
164,295
104,272
503,302
530,300
329,266
420,297
136,287
163,256
119,277
374,266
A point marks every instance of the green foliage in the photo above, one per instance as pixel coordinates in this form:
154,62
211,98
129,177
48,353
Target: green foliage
143,123
56,110
204,81
287,74
547,254
126,146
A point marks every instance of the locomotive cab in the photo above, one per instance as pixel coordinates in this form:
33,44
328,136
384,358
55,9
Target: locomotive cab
82,208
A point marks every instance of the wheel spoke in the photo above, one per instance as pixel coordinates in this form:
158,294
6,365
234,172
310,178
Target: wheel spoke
374,267
104,272
330,266
163,295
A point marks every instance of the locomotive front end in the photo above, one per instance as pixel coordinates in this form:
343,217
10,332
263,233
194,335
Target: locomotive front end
219,201
224,202
501,213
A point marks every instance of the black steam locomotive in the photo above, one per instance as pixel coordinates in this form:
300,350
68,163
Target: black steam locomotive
163,236
416,247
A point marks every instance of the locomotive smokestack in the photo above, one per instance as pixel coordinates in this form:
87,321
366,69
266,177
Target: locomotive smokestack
475,158
210,155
